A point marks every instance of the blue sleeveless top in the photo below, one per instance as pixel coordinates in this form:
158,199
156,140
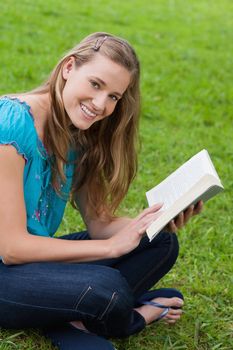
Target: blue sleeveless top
44,207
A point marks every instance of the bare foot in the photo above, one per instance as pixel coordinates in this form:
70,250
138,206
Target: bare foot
151,313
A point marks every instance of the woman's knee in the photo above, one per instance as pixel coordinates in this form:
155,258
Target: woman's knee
114,292
112,305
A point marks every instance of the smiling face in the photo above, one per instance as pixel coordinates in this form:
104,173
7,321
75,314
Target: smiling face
92,90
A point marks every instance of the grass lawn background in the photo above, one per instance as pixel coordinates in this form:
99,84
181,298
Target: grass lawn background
185,49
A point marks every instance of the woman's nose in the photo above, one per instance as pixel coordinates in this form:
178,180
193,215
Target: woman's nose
99,102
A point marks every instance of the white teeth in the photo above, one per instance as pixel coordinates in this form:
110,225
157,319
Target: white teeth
87,111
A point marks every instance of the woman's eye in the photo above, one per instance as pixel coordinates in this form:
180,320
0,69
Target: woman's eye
114,98
95,84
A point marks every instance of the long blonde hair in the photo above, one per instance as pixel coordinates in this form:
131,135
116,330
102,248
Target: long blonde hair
107,150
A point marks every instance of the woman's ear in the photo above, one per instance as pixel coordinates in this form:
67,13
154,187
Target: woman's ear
68,67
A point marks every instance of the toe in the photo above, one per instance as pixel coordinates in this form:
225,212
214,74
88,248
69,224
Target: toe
175,311
176,302
173,317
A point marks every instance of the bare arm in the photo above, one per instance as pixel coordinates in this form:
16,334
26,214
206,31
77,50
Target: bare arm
123,233
99,229
103,230
16,244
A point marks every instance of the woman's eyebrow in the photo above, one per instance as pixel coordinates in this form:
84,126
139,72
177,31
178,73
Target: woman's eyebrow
104,84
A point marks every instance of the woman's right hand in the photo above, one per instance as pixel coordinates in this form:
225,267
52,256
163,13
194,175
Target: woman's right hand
130,236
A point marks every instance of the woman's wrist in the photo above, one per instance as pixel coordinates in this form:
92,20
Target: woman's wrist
111,250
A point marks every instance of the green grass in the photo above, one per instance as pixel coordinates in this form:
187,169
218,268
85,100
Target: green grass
185,48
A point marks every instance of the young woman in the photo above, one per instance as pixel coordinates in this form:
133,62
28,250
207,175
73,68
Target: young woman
74,138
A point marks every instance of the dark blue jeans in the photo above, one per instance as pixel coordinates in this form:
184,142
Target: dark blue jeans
101,294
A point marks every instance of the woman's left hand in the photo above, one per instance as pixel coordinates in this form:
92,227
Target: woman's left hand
180,220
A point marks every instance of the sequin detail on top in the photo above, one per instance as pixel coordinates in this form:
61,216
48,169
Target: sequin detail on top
36,215
43,204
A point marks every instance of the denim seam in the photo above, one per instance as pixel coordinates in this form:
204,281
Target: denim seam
81,297
45,307
112,300
152,271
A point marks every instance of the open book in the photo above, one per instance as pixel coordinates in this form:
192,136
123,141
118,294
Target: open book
195,180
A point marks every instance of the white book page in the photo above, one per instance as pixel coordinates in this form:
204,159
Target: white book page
180,181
